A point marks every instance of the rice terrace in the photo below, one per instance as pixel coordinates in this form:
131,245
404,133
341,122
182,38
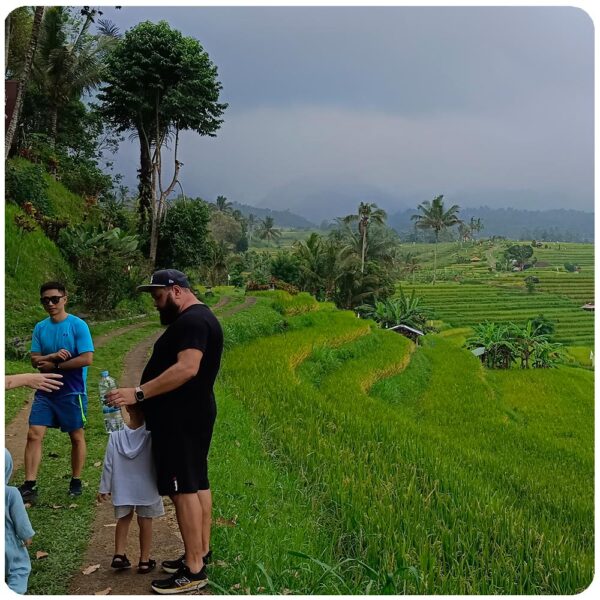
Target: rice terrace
405,395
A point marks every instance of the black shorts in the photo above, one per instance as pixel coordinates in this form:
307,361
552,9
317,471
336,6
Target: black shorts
181,460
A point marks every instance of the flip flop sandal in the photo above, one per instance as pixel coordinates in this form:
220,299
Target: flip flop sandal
146,567
120,562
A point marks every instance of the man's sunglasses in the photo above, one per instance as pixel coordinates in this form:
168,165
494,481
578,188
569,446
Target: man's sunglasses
47,300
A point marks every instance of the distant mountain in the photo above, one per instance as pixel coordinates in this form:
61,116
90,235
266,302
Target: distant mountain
323,201
282,218
561,225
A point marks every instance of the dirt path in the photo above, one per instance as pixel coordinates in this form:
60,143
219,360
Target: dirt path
166,541
15,436
224,301
248,302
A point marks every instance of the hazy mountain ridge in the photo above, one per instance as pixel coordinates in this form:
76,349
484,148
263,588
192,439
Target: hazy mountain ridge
282,218
562,225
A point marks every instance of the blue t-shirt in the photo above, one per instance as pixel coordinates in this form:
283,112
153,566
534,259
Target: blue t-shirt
73,335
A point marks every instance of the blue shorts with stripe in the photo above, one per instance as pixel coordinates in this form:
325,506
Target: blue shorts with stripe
67,412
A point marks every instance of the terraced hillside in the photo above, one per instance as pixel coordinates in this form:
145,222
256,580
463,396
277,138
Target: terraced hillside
463,305
425,474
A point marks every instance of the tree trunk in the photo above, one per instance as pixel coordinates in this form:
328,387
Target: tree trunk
33,41
145,183
53,125
435,256
364,249
6,42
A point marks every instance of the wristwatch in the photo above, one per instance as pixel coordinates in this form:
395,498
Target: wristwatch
139,394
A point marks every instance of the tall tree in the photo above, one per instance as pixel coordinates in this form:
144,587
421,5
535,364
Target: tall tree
223,205
368,213
69,60
434,216
24,79
267,230
160,83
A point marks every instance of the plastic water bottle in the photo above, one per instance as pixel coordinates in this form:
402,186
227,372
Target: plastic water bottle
113,420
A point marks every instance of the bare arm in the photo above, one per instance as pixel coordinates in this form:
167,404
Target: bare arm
186,367
47,382
85,359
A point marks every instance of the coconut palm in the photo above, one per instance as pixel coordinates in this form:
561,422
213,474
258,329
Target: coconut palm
267,230
410,265
68,64
223,205
434,216
368,213
24,80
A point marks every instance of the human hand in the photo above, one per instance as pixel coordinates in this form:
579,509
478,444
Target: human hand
27,542
62,354
102,497
45,366
47,382
121,397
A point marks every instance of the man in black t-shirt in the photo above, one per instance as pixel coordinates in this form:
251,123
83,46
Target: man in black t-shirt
176,395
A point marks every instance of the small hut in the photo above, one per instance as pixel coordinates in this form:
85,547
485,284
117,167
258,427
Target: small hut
588,306
479,353
409,332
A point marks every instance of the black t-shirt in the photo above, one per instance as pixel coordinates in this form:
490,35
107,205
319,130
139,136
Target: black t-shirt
191,406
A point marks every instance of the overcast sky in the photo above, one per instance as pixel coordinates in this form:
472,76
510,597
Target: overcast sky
396,105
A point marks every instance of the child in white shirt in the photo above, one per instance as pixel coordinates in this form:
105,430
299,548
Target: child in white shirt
129,478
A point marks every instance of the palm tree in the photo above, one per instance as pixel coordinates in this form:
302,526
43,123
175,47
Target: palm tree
33,42
66,67
435,217
223,205
267,230
367,213
410,264
251,224
475,225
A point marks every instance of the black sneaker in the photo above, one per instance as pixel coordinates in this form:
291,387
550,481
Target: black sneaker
172,566
29,493
75,487
181,582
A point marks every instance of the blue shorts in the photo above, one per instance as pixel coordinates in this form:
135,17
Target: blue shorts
67,412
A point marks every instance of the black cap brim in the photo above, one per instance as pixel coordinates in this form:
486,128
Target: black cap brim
149,287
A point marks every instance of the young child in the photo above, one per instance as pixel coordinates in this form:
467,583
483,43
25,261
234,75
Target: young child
17,534
129,478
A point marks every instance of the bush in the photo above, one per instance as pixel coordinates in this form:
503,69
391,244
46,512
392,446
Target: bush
25,183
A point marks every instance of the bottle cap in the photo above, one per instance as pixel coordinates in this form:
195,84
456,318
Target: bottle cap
104,374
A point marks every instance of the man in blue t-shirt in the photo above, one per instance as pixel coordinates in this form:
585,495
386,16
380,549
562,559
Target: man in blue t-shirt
62,343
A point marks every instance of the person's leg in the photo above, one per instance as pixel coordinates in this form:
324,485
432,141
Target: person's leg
145,525
78,452
121,532
33,451
205,498
190,519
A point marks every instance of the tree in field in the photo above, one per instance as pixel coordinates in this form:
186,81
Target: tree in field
410,265
251,220
434,216
267,230
24,79
475,225
368,213
519,253
160,83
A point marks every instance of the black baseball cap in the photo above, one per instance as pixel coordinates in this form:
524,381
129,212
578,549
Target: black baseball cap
165,278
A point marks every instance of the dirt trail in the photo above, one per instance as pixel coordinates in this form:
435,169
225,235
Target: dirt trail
166,540
167,543
248,302
15,436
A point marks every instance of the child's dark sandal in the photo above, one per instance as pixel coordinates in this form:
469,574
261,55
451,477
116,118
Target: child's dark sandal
146,567
120,561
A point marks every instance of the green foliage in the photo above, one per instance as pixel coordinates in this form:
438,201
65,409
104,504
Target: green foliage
25,182
518,253
183,241
543,325
285,266
402,310
571,267
106,264
30,260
